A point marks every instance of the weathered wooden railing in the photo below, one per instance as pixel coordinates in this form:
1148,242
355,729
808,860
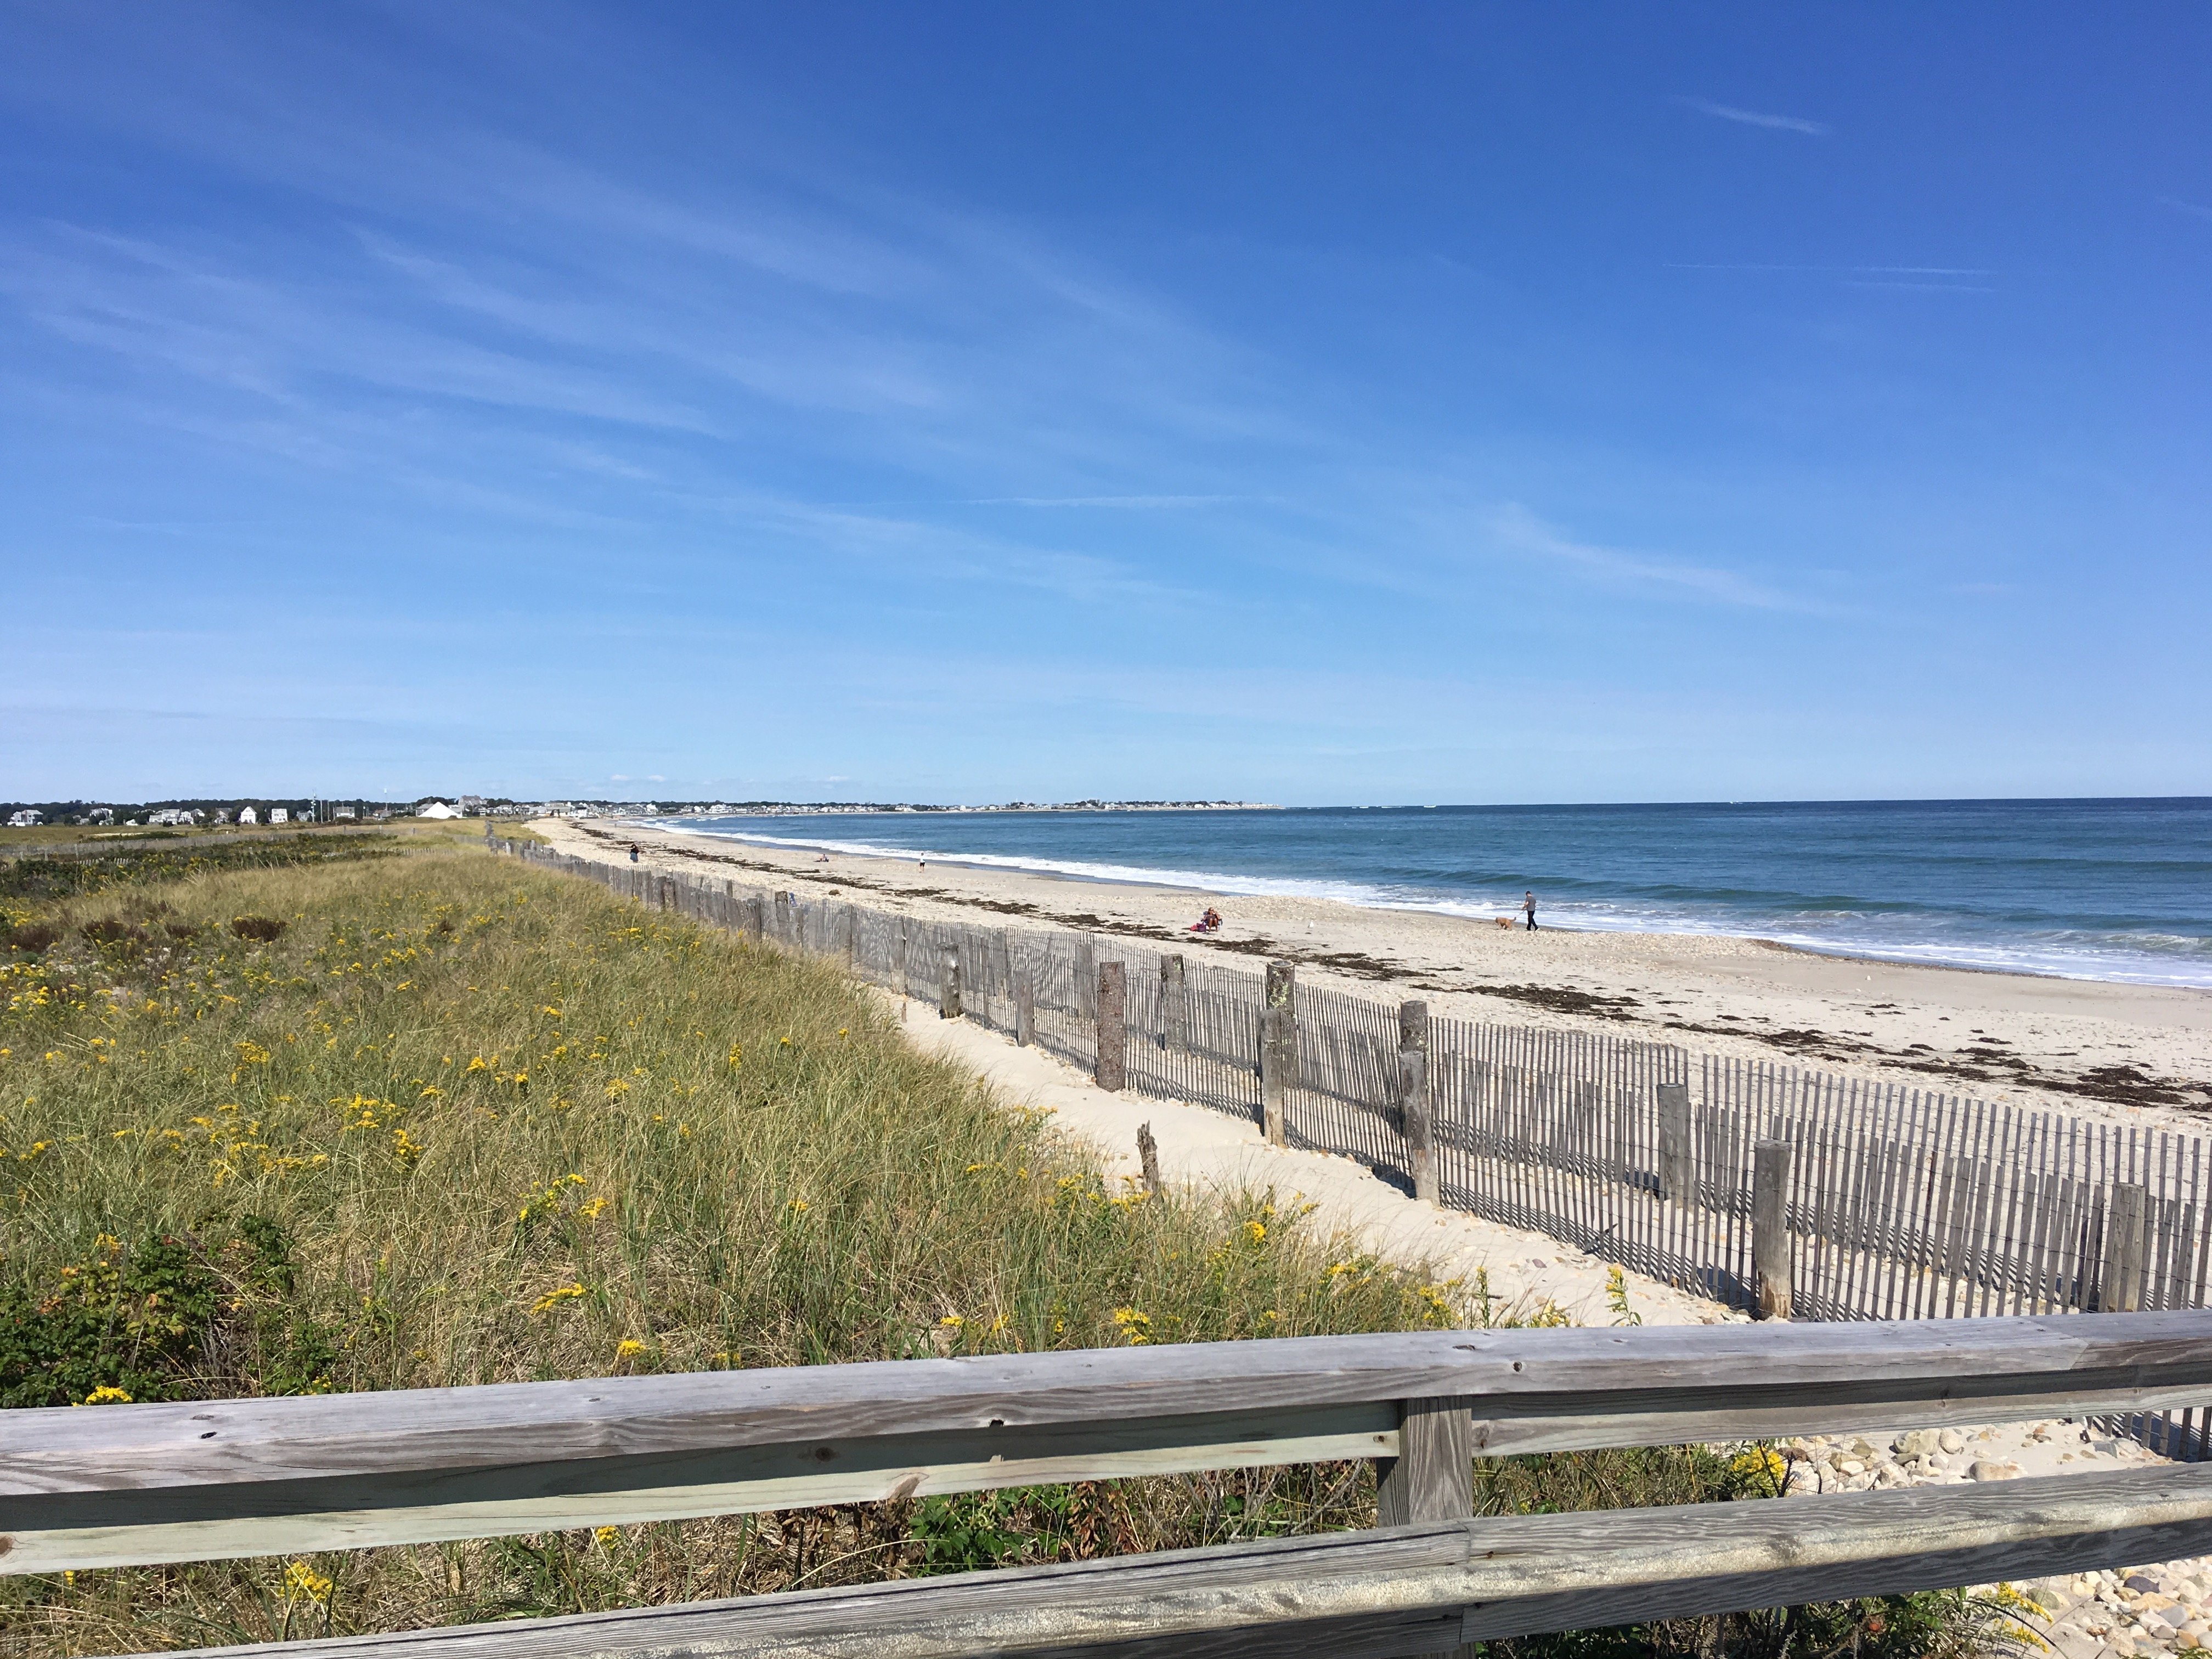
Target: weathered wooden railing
123,1484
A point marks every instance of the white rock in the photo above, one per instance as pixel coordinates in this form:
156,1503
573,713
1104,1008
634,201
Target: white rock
1987,1469
1951,1441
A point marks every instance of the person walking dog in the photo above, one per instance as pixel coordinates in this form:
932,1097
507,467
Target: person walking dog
1529,904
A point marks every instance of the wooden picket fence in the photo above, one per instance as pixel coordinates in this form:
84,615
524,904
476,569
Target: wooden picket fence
1884,1201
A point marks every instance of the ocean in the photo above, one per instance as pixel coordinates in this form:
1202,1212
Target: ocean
2109,889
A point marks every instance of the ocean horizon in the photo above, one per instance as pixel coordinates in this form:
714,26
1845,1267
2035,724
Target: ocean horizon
2106,890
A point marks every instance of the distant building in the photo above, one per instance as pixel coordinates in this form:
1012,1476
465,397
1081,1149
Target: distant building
381,814
472,805
345,813
437,809
221,815
248,815
103,815
280,814
29,818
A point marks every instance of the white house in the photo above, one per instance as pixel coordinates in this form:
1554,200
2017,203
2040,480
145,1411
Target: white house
29,818
280,814
436,809
103,815
248,815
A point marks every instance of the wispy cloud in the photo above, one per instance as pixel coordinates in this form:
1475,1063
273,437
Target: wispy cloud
1135,501
2195,210
1516,527
1853,271
1927,279
1753,118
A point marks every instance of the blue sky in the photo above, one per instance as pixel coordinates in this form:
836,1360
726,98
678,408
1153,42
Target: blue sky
1426,402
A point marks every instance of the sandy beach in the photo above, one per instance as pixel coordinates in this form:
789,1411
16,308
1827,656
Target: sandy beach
2128,1054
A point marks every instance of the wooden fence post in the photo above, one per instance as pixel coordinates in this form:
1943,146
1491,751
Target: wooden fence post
1279,1049
948,984
1024,974
1174,1004
1676,1177
1416,1119
2125,1231
899,946
1770,1229
783,918
1112,1071
1148,1156
1086,975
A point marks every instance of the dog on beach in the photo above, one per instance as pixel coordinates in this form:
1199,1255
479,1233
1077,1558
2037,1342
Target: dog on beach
1507,923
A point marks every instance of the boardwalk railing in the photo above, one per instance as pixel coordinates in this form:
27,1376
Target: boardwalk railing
140,1484
1889,1202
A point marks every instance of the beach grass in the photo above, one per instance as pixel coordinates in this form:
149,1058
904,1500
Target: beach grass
372,1115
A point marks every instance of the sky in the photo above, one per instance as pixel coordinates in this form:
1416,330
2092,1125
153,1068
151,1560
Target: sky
1318,405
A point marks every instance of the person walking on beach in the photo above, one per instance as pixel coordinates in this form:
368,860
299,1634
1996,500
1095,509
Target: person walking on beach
1529,904
633,852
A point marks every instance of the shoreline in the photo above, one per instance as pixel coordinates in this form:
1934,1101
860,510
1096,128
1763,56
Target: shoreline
2130,1053
1217,884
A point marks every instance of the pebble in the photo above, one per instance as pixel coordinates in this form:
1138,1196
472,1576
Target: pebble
2158,1612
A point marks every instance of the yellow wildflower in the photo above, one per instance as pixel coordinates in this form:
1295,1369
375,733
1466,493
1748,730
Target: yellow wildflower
106,1395
554,1298
1136,1327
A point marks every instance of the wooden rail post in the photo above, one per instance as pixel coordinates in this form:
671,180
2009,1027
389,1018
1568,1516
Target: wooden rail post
1416,1117
1112,1071
1279,1049
948,984
1769,1228
783,919
1148,1157
756,918
1432,1476
902,946
1174,1005
2126,1230
1676,1180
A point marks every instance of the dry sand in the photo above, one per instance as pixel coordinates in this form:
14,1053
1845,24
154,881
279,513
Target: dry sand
2128,1054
